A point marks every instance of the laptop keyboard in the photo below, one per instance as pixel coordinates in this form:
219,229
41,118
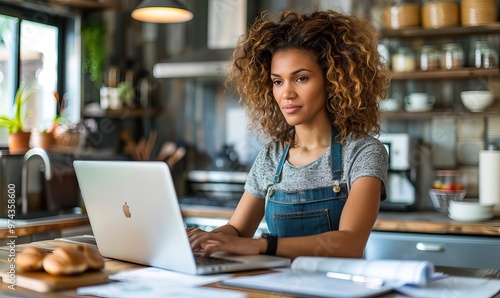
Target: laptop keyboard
211,261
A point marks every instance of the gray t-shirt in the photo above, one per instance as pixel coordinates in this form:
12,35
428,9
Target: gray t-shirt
361,157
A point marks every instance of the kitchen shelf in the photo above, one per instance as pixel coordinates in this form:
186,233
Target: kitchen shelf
459,75
419,32
464,73
443,113
88,4
122,113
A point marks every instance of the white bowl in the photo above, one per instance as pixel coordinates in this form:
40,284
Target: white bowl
470,207
477,101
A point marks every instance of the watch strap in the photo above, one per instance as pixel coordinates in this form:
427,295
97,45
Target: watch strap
272,243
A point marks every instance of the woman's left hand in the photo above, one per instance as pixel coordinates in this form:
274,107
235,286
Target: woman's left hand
213,242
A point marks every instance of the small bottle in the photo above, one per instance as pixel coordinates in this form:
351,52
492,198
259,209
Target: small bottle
452,56
490,58
477,49
429,58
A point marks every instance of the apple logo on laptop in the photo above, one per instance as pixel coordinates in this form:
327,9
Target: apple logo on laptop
126,210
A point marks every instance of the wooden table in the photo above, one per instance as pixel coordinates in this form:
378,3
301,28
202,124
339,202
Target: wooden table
113,266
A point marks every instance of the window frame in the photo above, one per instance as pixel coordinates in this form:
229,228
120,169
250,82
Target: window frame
69,50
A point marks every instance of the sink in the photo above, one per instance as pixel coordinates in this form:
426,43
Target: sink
40,218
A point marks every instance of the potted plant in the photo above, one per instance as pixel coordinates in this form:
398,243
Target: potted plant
94,43
43,136
18,138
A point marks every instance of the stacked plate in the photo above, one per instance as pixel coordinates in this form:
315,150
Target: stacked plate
469,211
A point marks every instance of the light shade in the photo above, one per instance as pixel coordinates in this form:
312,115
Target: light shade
161,11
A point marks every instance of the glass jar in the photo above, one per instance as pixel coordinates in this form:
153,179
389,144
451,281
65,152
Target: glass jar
449,180
401,14
490,58
482,55
440,13
475,13
403,60
452,56
429,58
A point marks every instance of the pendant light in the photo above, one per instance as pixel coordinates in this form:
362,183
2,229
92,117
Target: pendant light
161,11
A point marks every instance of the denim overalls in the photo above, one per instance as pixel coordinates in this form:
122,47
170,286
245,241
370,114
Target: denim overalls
307,212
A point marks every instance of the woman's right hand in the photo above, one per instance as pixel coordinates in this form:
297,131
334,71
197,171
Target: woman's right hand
212,242
194,234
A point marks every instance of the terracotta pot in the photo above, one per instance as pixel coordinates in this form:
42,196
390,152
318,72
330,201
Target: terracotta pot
44,140
19,142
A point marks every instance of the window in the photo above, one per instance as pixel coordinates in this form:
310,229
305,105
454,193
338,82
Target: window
39,48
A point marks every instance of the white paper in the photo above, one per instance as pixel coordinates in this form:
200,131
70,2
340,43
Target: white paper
396,272
317,284
454,287
154,289
308,276
307,284
168,277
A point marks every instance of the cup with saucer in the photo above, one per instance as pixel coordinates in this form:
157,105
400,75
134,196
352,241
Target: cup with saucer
390,104
419,102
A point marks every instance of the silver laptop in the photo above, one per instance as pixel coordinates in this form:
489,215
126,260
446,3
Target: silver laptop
135,216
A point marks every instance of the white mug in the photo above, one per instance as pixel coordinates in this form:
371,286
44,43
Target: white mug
419,100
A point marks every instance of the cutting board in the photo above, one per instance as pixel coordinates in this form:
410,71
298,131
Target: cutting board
43,282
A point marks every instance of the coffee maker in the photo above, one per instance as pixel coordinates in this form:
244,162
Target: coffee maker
401,185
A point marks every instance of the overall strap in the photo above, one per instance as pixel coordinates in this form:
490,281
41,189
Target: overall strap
277,175
336,156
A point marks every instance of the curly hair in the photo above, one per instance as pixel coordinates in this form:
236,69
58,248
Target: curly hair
346,50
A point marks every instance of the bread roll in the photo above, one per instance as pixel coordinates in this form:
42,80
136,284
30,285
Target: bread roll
65,260
30,259
94,259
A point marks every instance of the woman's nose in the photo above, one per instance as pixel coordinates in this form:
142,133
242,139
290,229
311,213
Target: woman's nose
288,92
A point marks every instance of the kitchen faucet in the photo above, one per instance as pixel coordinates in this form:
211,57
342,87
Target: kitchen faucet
24,182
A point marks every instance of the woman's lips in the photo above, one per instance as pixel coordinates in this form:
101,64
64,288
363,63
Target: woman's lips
290,109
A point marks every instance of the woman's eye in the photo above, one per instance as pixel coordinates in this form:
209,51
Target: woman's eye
301,79
276,82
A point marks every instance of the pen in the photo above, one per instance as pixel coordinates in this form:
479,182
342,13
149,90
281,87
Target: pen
366,280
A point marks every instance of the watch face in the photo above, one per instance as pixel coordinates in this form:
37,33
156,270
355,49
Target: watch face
269,236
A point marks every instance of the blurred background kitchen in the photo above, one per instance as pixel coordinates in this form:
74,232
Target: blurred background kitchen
133,90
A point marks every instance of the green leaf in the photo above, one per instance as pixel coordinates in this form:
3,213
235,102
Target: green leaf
16,123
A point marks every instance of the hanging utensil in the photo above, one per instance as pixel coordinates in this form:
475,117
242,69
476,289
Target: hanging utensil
166,150
150,144
130,145
176,157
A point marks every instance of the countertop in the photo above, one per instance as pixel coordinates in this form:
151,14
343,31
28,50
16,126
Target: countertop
414,222
19,228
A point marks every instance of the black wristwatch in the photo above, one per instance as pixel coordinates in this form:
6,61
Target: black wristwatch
272,243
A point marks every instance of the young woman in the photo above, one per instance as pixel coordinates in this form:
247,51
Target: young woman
310,82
